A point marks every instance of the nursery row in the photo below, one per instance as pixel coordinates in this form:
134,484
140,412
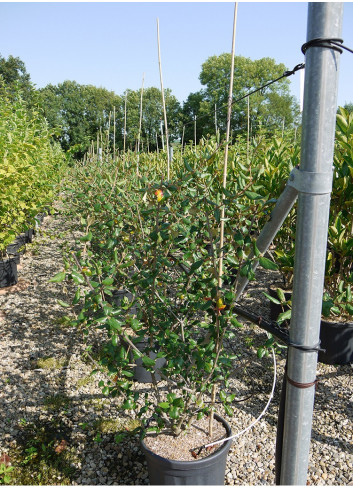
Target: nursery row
30,171
158,266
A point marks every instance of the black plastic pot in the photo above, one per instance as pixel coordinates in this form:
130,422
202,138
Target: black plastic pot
29,235
8,272
16,257
140,373
335,338
16,245
209,471
119,295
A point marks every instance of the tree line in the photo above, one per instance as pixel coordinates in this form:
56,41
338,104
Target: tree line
80,113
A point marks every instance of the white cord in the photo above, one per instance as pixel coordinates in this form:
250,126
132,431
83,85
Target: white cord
259,417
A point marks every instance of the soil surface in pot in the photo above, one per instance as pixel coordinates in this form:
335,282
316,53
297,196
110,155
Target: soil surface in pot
179,448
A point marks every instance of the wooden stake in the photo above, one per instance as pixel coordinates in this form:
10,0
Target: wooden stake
248,134
140,125
163,101
225,166
125,122
215,117
108,132
162,138
114,134
195,129
97,144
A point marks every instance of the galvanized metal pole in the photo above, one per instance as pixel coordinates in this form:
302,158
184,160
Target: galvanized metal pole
313,182
279,213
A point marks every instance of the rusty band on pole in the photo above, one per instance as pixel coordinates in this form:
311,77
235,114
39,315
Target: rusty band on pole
301,385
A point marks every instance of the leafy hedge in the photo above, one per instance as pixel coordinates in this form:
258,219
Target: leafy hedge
30,166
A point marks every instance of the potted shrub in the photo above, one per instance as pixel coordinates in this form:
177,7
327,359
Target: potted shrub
154,248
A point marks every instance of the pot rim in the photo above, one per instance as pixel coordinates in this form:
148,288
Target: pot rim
340,324
203,461
9,258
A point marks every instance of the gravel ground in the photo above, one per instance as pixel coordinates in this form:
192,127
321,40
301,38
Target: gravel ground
45,385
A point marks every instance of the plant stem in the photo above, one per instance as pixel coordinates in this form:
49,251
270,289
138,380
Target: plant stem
213,399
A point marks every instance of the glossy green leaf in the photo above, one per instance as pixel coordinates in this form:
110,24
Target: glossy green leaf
108,281
147,361
59,277
267,264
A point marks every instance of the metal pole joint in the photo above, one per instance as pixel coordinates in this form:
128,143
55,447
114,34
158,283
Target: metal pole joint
314,183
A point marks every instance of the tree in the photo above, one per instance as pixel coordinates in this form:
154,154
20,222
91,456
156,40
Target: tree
348,107
196,105
81,111
272,106
152,115
16,79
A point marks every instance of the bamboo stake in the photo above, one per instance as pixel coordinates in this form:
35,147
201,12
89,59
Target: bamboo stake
248,134
163,101
97,145
106,144
114,133
182,145
215,121
140,125
221,252
125,122
162,138
195,129
225,167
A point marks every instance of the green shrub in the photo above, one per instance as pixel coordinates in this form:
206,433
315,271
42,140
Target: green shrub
30,167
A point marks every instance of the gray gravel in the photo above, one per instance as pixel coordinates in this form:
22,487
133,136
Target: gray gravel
62,394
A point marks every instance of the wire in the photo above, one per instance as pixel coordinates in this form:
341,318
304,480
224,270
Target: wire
299,66
323,42
259,417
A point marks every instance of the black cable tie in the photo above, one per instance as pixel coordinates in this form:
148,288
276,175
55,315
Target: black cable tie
307,348
334,43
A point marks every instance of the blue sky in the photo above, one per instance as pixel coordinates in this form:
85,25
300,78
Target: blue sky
111,44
